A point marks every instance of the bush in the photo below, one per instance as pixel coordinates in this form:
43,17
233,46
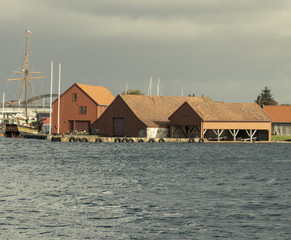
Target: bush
281,138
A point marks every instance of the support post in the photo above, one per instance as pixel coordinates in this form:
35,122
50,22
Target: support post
174,130
202,131
218,133
184,131
191,130
270,132
234,133
251,133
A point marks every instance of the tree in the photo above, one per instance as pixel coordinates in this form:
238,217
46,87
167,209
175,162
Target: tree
132,92
265,98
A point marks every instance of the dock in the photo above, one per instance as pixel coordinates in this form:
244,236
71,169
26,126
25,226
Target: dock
100,139
96,138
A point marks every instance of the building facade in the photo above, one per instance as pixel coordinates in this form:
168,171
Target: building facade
281,119
80,106
140,116
219,121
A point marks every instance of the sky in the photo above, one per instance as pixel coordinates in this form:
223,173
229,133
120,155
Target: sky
227,50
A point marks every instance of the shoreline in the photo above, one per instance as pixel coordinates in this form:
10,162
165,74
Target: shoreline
96,138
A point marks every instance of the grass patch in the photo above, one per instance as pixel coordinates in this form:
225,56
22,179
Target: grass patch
281,138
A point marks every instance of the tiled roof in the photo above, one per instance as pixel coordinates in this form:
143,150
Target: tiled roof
225,112
100,95
279,113
154,111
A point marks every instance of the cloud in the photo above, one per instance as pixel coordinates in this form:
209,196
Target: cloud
156,20
173,21
215,47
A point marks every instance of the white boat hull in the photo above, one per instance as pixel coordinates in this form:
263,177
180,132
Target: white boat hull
27,130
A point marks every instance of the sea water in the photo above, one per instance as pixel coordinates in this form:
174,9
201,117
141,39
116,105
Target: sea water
52,190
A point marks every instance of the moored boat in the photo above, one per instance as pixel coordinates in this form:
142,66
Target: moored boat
11,130
9,127
25,124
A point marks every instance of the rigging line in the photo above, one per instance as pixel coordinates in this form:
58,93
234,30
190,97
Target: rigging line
42,83
32,56
18,93
20,54
20,88
32,90
32,59
33,103
16,64
41,86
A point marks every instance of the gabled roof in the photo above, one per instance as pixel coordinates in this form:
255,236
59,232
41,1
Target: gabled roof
99,95
154,111
279,113
230,112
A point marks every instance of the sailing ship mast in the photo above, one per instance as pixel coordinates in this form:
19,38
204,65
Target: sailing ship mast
26,73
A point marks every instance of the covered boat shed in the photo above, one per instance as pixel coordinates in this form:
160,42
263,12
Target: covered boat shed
220,121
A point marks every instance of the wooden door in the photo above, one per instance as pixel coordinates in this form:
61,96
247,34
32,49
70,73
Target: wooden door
71,126
82,125
118,127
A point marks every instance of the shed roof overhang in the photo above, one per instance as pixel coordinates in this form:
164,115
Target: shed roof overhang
237,125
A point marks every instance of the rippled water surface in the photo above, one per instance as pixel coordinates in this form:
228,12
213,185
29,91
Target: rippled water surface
54,190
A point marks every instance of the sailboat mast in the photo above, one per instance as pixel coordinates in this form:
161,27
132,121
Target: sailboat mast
26,72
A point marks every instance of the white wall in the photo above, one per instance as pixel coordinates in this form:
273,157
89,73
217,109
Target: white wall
281,128
157,132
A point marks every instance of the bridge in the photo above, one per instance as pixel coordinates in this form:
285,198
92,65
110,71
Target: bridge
14,110
39,97
19,108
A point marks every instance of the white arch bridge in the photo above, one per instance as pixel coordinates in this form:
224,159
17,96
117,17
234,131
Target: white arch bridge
33,99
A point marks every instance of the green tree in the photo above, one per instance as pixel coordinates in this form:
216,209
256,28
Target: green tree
132,92
265,98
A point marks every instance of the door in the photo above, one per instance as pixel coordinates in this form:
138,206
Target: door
82,125
118,127
71,126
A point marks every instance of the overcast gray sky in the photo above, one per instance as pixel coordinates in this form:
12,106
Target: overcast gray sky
227,50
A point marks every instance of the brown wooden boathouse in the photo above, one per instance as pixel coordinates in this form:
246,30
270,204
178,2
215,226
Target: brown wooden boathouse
140,115
80,106
219,120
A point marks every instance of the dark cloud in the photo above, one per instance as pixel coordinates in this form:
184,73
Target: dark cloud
223,49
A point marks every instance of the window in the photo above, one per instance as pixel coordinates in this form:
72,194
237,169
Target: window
74,97
83,110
